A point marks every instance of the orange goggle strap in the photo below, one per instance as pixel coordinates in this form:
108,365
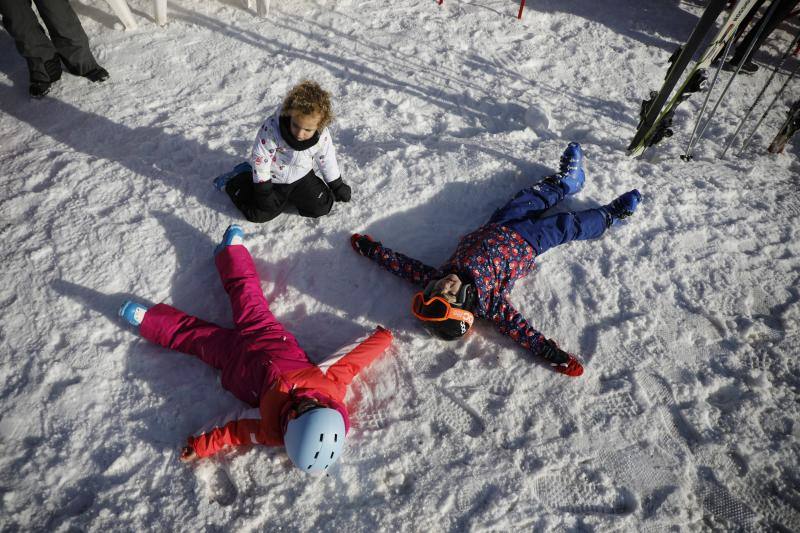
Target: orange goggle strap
419,302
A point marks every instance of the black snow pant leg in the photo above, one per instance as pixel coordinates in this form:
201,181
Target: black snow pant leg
67,35
311,196
31,41
241,191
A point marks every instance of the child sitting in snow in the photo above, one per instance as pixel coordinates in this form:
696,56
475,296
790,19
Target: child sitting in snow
280,172
478,278
293,401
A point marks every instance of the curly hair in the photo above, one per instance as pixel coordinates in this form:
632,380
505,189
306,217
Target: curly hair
309,98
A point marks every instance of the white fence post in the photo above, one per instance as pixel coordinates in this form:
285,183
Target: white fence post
123,12
160,7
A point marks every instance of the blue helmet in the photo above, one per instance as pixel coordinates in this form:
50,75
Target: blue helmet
315,439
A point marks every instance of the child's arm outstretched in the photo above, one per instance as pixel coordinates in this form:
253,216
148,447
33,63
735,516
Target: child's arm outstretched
348,361
510,322
398,264
243,428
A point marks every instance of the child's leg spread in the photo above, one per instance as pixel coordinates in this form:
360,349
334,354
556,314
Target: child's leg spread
240,279
529,203
545,233
174,329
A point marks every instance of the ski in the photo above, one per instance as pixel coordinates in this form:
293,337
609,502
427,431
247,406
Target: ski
766,112
692,140
658,119
651,108
789,128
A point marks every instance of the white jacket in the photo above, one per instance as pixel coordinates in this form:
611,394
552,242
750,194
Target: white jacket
273,159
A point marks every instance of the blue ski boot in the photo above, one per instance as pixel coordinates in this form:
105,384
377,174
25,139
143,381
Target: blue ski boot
221,181
571,159
132,312
233,235
570,170
622,207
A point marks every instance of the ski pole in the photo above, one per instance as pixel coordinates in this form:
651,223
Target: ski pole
761,27
687,155
758,98
769,107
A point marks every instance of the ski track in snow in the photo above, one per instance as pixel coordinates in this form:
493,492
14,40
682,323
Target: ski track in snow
687,315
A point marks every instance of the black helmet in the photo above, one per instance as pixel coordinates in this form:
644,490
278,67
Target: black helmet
445,319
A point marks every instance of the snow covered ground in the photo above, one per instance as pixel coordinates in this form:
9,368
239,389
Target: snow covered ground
686,316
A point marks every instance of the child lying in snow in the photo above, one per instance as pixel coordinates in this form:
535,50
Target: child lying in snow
280,169
478,278
294,402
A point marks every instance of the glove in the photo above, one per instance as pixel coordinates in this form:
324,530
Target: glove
363,244
341,190
188,454
560,361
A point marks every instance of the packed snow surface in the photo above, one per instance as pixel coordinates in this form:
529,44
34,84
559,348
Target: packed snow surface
686,315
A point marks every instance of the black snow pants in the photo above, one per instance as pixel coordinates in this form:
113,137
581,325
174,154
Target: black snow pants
67,42
260,202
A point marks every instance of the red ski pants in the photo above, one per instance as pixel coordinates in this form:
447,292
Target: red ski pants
243,353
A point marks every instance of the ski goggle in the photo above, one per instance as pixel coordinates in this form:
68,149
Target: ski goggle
437,309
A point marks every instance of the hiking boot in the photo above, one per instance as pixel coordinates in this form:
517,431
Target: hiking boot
97,75
747,68
38,89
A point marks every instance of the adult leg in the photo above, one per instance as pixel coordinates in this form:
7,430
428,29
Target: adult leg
311,196
174,329
781,12
31,41
545,233
529,203
67,35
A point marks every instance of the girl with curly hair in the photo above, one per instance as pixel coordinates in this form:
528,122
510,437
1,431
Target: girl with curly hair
280,171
